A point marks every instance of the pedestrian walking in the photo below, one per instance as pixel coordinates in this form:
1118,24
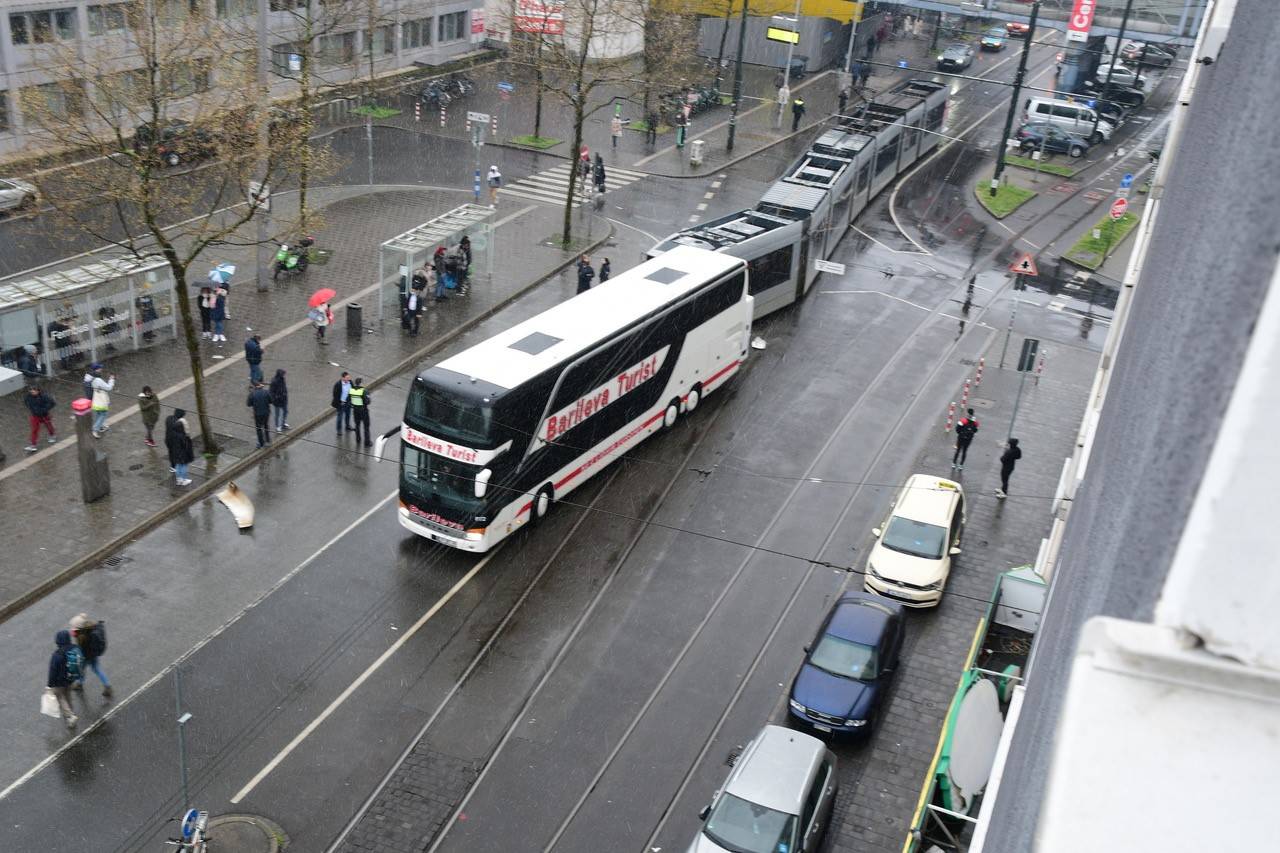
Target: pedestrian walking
464,262
438,265
784,98
844,100
361,399
797,113
259,400
91,374
495,182
90,635
585,274
598,173
779,80
149,407
205,302
966,429
412,313
253,356
218,314
39,405
65,658
584,172
615,128
101,402
452,270
279,393
1008,460
341,402
605,270
321,317
651,127
178,442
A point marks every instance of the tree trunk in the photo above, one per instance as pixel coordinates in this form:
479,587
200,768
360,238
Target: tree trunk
724,34
304,154
537,89
578,120
192,340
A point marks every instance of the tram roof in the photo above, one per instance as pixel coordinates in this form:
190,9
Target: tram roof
539,343
729,230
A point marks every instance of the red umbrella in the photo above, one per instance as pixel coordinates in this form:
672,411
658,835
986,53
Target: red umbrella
321,296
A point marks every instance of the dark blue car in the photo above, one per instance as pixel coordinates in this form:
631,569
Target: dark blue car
848,666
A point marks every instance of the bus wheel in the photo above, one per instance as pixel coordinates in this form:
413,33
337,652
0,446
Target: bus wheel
542,503
672,412
692,399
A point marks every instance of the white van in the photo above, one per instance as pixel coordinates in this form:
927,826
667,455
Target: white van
911,559
1068,115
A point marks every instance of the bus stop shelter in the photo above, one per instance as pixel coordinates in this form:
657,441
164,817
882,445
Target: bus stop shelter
60,320
400,256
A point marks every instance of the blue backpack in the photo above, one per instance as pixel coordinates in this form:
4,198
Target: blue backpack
75,659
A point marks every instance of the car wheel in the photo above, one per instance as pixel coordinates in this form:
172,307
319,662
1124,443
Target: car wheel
1096,139
692,399
1027,145
542,503
671,414
1076,151
172,159
28,202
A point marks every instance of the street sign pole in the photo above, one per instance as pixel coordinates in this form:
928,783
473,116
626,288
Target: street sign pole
853,35
1008,333
791,46
1014,101
737,76
1026,363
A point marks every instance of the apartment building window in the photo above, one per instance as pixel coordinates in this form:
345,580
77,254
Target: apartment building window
235,8
287,5
286,59
384,41
58,100
106,19
337,48
452,26
184,79
43,27
177,11
4,111
415,34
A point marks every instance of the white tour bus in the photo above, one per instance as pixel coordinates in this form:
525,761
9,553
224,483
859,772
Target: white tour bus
493,435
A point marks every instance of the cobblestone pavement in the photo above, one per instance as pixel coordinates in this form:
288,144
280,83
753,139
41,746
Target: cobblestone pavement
49,527
881,782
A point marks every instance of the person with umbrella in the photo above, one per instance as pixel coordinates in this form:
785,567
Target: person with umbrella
221,278
321,315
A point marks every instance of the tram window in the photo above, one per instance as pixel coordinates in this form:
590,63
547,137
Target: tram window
770,270
909,137
887,156
863,174
935,116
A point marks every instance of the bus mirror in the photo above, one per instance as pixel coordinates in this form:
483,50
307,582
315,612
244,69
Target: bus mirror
482,482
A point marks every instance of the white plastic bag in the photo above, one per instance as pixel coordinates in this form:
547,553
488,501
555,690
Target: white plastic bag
49,704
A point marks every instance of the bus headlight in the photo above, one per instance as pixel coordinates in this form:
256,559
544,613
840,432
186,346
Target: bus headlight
482,482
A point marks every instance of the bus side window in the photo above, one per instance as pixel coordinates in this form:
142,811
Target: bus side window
718,299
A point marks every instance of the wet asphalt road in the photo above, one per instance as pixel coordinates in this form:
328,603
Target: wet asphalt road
645,653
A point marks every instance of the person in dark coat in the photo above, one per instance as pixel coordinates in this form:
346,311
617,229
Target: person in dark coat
253,357
361,400
605,271
585,274
598,173
797,113
91,636
651,127
181,450
149,407
966,429
60,677
437,262
1008,460
279,392
341,402
259,400
39,405
464,249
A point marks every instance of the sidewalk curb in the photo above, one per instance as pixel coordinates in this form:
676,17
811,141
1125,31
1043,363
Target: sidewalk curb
214,483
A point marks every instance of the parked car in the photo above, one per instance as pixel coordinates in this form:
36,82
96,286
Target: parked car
1117,93
1017,28
1042,136
16,195
177,142
777,798
848,666
955,57
799,67
1146,53
994,39
1122,75
1070,115
911,559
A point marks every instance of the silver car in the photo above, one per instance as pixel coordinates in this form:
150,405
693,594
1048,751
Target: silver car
16,195
777,799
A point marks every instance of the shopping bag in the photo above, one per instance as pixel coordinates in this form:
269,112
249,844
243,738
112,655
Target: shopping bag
49,704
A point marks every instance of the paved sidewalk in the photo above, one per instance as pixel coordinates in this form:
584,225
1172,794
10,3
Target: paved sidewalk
873,814
47,526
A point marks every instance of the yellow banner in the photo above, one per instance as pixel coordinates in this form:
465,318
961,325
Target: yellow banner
838,10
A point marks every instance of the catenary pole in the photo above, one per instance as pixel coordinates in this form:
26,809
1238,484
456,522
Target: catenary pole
737,75
1013,102
1115,57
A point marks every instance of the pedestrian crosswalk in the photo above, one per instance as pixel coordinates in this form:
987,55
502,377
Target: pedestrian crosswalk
551,185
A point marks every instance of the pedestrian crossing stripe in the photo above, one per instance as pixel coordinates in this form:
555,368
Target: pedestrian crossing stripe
551,185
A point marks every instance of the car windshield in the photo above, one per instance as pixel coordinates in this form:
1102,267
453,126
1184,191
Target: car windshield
844,658
995,33
437,476
744,827
915,538
447,415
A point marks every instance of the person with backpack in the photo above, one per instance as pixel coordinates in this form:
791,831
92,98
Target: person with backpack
279,391
64,671
101,402
966,429
259,400
39,405
437,266
91,637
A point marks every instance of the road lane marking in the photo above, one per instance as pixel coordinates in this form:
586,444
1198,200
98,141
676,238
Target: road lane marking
363,677
881,293
702,206
116,708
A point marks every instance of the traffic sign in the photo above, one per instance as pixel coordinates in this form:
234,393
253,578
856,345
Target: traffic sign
829,266
1118,207
1126,181
1027,358
478,118
1024,265
784,36
1123,192
504,86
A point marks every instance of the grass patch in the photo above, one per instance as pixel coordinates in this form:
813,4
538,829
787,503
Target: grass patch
1087,251
643,126
375,111
1047,168
1007,199
577,242
530,141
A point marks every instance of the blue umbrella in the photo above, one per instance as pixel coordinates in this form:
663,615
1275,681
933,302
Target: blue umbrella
221,274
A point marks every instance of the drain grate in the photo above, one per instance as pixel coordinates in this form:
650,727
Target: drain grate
734,755
116,561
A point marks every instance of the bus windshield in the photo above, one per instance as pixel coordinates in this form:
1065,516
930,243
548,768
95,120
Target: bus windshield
451,416
436,476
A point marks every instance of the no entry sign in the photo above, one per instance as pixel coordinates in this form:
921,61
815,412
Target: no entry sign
1118,207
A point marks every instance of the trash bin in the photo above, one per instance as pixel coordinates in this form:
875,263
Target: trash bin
355,320
695,152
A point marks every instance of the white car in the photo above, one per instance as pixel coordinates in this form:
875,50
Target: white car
16,195
911,559
1122,74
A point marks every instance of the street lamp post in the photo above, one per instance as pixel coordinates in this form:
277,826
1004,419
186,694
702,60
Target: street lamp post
1115,57
737,75
1013,103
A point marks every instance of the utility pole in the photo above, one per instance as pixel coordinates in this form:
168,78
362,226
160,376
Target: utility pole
853,36
263,216
1013,103
737,76
791,46
1115,57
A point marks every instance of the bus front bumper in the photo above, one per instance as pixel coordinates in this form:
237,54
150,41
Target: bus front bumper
477,543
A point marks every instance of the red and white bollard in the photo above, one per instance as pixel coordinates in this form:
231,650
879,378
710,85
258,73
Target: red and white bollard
964,397
1039,368
443,115
951,416
977,379
417,110
493,126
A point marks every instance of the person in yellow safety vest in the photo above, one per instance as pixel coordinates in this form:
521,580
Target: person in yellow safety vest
360,399
797,112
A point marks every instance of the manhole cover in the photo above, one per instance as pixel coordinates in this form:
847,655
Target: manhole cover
981,403
942,276
244,833
135,467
